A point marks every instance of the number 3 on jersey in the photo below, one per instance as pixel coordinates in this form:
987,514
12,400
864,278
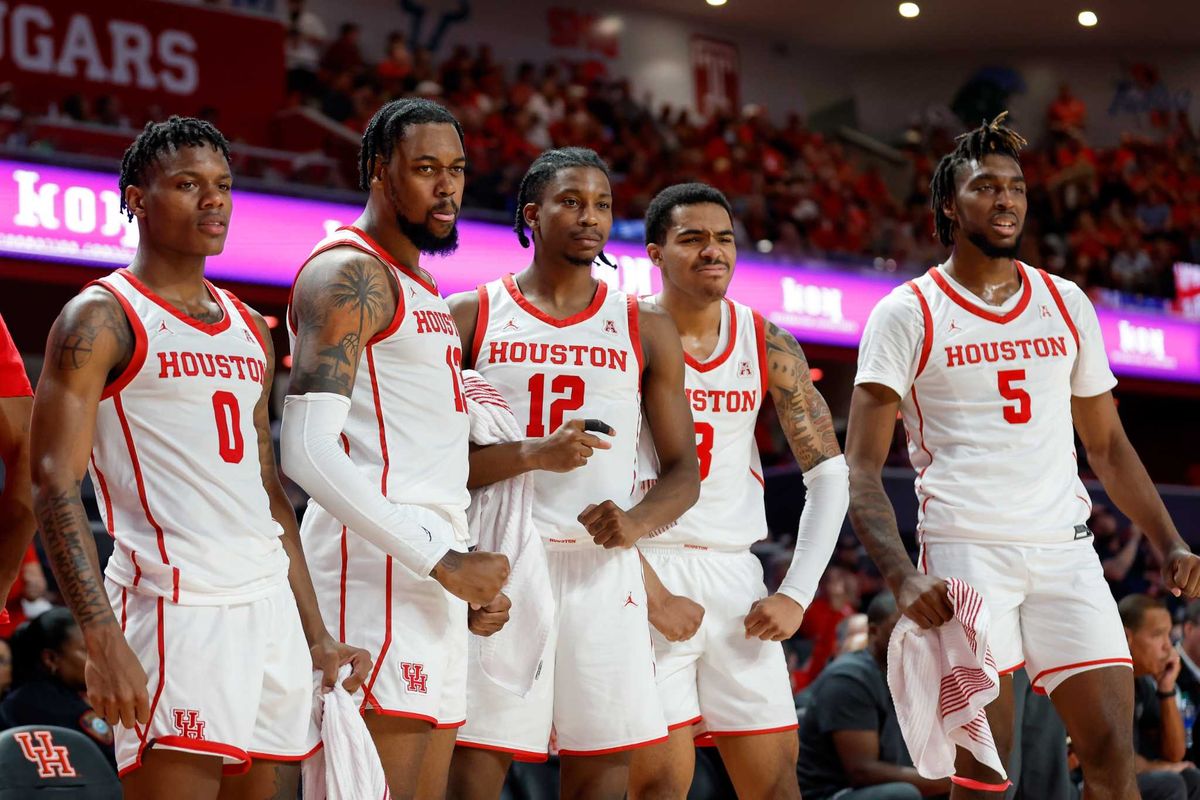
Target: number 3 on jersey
569,390
704,446
1022,412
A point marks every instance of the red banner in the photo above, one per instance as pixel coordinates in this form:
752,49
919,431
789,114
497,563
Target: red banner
180,58
717,75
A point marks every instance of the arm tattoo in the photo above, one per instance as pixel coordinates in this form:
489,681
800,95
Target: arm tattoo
357,287
73,348
68,540
803,413
874,521
451,562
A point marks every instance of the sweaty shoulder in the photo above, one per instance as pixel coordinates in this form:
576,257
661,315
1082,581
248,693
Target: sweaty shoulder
1074,298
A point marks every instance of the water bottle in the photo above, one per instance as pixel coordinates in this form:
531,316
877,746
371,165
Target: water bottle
1187,709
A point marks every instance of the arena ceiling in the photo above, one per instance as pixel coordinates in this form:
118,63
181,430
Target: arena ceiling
876,25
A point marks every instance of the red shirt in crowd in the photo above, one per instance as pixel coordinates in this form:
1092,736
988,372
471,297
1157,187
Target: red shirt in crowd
13,383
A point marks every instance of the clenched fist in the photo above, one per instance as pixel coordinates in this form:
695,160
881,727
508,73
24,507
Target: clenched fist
475,577
490,618
610,526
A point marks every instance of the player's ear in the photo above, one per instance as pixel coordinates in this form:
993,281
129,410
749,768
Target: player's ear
135,200
378,166
948,209
531,212
655,252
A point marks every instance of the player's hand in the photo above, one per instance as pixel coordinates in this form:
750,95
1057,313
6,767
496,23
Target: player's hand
610,526
328,656
116,681
1170,673
570,446
676,617
925,600
487,620
1181,572
774,618
475,577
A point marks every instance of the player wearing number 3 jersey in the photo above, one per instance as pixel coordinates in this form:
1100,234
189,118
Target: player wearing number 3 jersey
991,363
157,383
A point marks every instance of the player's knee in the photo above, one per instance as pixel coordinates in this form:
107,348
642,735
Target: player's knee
660,785
1106,755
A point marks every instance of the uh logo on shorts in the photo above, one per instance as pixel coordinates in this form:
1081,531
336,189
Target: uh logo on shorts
416,680
188,723
52,760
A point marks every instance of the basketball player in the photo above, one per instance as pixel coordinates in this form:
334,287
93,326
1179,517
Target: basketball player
731,678
16,512
562,347
158,382
990,362
375,428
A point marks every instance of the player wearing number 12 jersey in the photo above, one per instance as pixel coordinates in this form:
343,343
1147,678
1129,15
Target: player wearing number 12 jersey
157,383
991,362
560,345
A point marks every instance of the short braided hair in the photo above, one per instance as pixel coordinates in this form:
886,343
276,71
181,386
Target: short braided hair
541,171
158,138
388,126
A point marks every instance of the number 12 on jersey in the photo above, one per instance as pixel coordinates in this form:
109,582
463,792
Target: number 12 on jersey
568,391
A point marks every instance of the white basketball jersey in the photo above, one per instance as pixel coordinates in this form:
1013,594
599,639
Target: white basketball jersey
550,371
725,393
988,411
408,427
175,455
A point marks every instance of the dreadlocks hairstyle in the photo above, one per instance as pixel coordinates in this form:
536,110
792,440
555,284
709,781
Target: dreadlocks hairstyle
989,138
658,215
541,171
158,138
388,126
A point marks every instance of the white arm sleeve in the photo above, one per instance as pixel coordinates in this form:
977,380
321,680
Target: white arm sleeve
827,496
313,457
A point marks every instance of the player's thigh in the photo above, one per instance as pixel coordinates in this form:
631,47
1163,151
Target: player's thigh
435,767
477,774
1097,708
762,766
174,774
401,743
664,771
265,780
595,777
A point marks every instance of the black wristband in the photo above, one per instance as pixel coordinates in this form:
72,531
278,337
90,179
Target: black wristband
1164,695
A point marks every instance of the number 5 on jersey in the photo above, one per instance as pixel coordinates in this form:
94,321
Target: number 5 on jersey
1022,412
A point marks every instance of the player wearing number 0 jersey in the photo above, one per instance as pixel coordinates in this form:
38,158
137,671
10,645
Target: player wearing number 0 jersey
730,678
375,429
991,362
156,382
562,346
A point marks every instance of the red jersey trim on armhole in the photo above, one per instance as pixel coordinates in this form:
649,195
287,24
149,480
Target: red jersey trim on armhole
1062,307
481,322
138,359
927,320
635,334
245,315
108,512
386,257
760,337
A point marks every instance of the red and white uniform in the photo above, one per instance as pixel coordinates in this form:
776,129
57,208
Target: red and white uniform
737,685
986,401
179,485
14,382
407,431
550,371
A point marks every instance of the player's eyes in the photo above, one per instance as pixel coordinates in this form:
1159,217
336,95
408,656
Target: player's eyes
570,201
605,206
186,185
458,170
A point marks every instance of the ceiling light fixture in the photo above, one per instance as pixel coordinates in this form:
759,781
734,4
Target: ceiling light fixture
1088,19
716,2
909,10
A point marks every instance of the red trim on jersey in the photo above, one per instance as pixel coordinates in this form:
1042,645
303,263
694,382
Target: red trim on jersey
979,786
1062,307
760,335
921,432
138,359
481,322
1099,662
14,380
758,732
758,478
1010,670
442,726
525,756
383,448
369,698
927,319
274,757
144,733
605,751
687,723
1010,315
397,315
212,329
387,258
141,487
137,568
345,565
597,300
245,315
720,358
124,596
389,712
108,514
635,334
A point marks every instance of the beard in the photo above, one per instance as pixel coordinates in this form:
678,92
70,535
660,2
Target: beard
579,262
425,240
980,240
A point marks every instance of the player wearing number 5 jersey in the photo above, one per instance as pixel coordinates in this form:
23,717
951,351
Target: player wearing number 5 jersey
991,363
157,383
730,679
375,429
562,346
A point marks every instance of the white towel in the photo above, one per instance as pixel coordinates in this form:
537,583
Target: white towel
347,767
500,518
941,680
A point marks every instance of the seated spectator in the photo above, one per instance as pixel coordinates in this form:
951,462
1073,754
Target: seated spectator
1067,114
343,53
1159,738
49,657
1189,675
851,746
27,598
852,634
5,668
837,598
